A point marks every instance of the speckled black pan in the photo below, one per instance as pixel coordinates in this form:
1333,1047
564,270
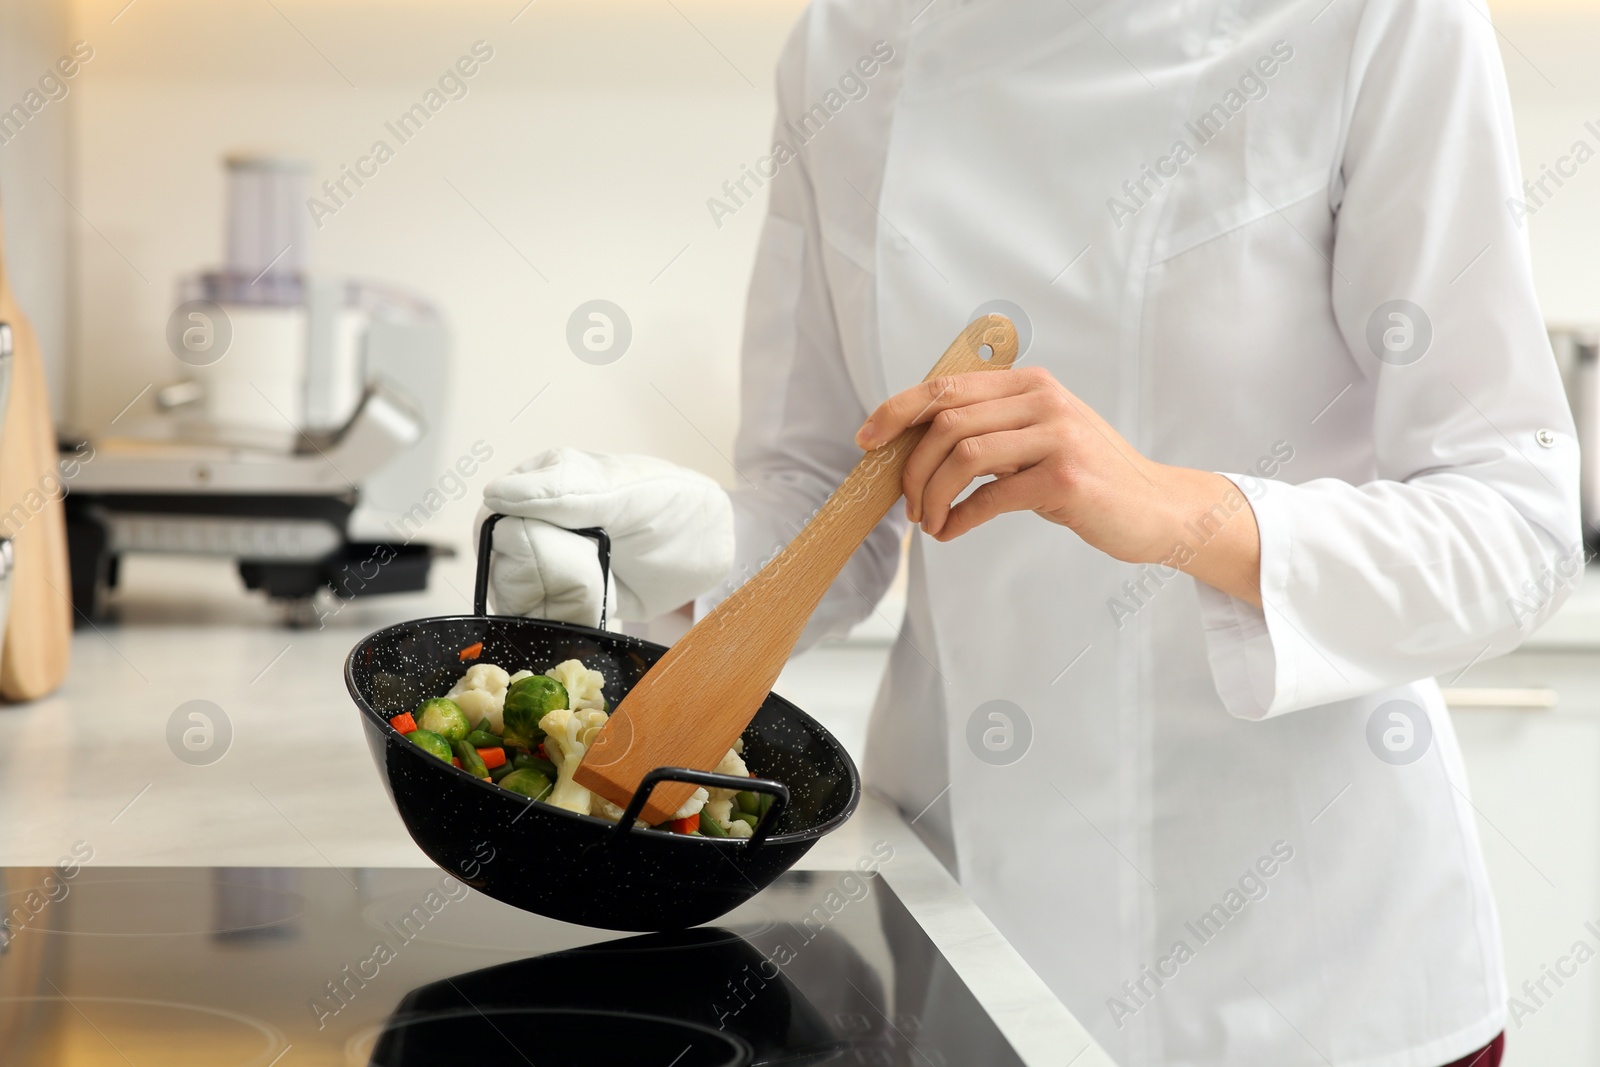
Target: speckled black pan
574,867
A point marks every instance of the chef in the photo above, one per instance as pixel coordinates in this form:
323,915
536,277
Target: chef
1285,443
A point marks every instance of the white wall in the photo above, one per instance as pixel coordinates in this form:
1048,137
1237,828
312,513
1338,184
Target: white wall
33,35
591,141
1549,52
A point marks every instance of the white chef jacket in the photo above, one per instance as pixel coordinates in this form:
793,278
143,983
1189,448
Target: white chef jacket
1218,845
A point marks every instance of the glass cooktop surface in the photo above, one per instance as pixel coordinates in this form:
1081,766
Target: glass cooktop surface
294,967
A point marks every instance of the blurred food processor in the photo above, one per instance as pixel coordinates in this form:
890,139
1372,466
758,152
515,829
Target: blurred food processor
1577,352
299,437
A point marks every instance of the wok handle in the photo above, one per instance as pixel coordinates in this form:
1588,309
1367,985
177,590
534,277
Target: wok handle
480,590
778,791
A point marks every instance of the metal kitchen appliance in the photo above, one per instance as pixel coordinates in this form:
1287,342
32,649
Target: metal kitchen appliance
1577,351
300,436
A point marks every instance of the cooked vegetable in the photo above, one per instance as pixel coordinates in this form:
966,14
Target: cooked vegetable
481,738
543,766
529,732
403,722
481,692
582,685
693,806
471,762
528,701
442,716
431,742
472,651
568,735
528,783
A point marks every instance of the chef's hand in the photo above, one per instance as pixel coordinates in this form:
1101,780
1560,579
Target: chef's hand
1051,454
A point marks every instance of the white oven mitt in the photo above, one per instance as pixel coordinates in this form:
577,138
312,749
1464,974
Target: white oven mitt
671,536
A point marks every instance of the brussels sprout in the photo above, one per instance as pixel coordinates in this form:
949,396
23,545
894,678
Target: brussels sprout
471,762
442,716
431,742
528,701
482,738
534,763
529,783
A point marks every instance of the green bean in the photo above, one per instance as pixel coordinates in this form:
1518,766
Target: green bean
749,802
471,762
709,827
482,738
749,820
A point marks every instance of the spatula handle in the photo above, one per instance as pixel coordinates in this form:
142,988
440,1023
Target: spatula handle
809,563
872,487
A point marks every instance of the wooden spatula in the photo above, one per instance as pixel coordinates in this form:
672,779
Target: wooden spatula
695,702
38,633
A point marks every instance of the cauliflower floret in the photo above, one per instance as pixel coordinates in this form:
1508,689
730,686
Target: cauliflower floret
583,685
601,808
519,676
568,735
692,806
482,707
734,765
740,828
481,694
718,808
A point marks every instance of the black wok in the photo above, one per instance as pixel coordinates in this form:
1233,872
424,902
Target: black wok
572,867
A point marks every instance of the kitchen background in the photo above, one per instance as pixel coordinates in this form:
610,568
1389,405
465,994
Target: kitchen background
578,166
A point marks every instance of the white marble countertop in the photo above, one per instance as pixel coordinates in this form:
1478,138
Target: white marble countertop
296,786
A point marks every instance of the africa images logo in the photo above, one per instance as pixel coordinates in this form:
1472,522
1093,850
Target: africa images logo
1399,333
1399,732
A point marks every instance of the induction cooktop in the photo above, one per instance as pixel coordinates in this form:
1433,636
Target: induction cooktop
294,967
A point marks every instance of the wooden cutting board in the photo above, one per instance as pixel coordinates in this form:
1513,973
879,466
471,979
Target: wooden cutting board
38,634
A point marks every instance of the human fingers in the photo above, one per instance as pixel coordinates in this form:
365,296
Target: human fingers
1000,454
951,426
923,401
